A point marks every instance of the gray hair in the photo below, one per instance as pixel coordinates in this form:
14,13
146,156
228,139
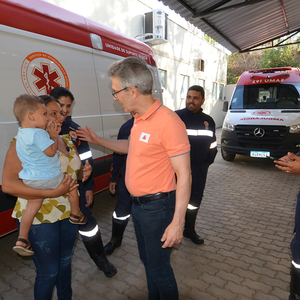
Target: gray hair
133,71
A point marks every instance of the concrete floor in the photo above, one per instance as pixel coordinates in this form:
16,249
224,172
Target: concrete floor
246,219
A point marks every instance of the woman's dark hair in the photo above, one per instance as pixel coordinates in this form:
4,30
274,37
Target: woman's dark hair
47,99
61,91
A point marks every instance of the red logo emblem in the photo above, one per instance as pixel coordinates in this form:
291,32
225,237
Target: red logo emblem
41,72
262,112
144,137
73,134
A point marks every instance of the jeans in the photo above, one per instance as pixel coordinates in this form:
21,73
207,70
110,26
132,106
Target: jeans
52,244
150,221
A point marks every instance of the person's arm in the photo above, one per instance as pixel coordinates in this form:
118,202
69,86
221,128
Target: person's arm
84,175
174,232
285,158
213,150
12,184
117,164
289,163
53,132
86,182
119,160
112,187
87,134
89,197
85,171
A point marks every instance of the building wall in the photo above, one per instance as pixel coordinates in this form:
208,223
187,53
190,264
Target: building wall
180,56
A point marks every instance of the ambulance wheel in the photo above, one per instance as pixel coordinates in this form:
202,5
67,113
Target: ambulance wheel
227,156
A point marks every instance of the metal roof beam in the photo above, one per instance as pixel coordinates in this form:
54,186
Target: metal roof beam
251,49
216,6
221,34
284,15
269,47
211,12
183,3
286,38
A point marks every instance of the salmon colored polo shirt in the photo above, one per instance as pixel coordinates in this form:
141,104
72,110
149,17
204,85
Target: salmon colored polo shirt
155,137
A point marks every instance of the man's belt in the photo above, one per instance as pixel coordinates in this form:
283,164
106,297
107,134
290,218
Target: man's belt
150,197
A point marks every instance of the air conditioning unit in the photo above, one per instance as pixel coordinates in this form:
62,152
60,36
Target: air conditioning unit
156,23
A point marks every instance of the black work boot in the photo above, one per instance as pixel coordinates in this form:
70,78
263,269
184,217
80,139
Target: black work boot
295,284
94,246
189,227
118,228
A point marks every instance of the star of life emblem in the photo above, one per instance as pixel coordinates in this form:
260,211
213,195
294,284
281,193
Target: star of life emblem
41,72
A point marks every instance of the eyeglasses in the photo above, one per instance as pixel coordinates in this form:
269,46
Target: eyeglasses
115,93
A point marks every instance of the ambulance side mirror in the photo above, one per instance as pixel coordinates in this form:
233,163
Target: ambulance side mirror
225,106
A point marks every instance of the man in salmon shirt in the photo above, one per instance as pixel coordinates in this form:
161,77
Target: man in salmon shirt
158,149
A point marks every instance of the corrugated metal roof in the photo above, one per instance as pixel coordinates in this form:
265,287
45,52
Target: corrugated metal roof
240,25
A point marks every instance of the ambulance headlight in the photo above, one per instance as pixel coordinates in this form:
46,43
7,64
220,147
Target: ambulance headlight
228,126
295,128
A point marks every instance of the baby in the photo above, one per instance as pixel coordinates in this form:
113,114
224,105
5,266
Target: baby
36,149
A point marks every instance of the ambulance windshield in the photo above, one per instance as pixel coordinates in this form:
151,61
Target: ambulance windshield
266,96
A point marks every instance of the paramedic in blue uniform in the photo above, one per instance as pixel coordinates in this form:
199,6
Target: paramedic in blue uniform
201,132
90,232
291,164
122,210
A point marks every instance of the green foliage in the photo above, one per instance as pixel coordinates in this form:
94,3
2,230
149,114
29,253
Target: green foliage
232,79
232,76
287,56
209,39
280,57
238,63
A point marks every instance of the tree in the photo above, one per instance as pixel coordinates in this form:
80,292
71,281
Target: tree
280,57
240,62
287,56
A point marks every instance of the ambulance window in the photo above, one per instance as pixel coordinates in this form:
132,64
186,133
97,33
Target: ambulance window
263,95
267,96
237,99
288,96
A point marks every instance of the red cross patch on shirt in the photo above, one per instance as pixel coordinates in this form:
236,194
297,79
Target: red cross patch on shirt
145,137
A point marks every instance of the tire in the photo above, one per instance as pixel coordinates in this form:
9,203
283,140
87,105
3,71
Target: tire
227,156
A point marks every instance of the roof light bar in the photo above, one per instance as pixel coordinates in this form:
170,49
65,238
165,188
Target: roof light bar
272,70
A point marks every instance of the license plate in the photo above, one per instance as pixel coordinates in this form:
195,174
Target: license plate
260,154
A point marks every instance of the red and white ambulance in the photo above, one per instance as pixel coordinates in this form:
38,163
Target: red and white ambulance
263,118
43,46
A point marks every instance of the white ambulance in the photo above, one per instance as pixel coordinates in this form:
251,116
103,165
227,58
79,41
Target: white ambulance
43,46
263,118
